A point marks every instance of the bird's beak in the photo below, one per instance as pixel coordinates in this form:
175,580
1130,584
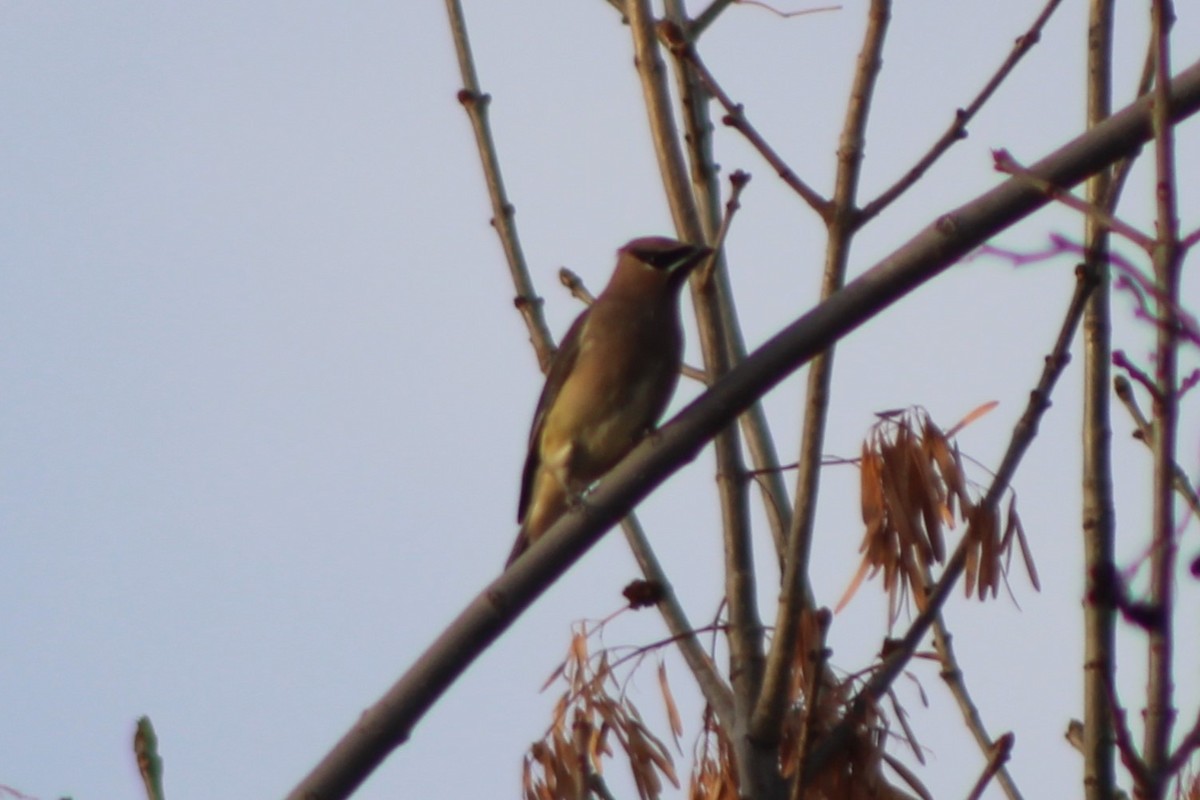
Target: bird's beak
690,257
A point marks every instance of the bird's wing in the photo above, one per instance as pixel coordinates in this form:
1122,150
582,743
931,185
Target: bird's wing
560,367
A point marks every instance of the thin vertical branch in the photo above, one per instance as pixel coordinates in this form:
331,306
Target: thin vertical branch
476,103
745,626
840,224
1160,688
695,96
953,676
1099,619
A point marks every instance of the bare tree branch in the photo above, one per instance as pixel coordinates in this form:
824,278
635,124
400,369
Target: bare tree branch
1022,437
735,117
958,127
1098,216
714,283
388,723
745,628
1097,523
999,756
716,692
953,676
1187,746
1160,687
708,16
476,103
1144,432
840,224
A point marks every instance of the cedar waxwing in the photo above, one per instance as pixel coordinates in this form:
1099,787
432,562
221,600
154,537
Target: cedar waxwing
608,383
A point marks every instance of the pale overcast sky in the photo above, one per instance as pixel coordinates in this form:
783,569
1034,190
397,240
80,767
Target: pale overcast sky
265,395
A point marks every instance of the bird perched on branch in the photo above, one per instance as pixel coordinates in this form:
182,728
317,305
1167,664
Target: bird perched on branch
608,383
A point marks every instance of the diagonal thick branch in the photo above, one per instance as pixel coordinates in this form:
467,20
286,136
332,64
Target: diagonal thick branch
389,723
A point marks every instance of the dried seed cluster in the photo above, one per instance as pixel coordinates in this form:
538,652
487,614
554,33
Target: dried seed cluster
914,488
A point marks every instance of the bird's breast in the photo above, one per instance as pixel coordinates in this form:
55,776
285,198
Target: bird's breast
625,372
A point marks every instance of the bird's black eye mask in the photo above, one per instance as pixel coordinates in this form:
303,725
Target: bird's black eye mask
665,260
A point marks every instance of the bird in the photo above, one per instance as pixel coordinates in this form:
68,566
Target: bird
608,383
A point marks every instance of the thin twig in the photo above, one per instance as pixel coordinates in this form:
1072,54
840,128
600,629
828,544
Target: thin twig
1097,215
735,117
999,756
1122,169
708,16
1188,745
716,692
1124,738
958,127
1145,433
1191,240
953,676
476,104
737,182
714,288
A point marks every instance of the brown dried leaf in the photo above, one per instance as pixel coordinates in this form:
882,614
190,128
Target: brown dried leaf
909,777
971,570
603,671
893,478
1009,529
554,676
989,557
971,417
855,582
949,467
658,753
925,492
968,505
568,771
545,759
1026,553
871,491
669,701
579,648
527,780
597,746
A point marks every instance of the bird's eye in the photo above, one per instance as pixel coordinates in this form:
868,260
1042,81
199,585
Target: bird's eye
665,259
